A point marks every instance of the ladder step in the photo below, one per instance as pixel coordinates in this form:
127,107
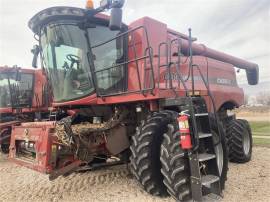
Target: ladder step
201,114
204,135
53,115
206,157
207,180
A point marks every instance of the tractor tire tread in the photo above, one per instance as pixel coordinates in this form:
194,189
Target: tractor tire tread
236,130
145,149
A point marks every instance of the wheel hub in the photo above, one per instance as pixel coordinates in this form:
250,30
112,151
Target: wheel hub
246,143
219,157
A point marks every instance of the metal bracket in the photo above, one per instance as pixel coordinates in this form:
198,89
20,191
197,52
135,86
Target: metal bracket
195,178
71,167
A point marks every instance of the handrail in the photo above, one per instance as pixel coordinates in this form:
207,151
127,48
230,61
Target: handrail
136,61
159,63
169,63
150,51
147,54
212,100
178,40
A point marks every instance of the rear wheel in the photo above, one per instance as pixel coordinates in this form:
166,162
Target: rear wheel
145,152
5,145
240,141
5,148
221,149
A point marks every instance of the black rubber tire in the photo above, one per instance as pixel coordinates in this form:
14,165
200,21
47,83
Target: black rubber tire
238,130
175,165
215,131
145,152
5,148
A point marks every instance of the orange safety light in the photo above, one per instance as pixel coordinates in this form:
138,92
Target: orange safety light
89,4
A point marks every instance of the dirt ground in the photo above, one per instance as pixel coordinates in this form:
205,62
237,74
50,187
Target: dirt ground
246,182
253,113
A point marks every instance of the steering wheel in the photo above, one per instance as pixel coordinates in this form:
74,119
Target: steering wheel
73,58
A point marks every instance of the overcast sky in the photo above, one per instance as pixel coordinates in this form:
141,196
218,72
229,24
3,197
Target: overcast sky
237,27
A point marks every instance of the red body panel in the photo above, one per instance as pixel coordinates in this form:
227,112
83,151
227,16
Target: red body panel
221,76
5,110
39,133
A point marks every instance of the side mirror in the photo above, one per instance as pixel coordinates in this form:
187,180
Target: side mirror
115,19
35,52
253,76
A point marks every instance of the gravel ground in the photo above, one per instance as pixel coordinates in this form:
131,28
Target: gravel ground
246,182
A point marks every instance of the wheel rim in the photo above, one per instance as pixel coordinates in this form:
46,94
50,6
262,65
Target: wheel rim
219,157
246,143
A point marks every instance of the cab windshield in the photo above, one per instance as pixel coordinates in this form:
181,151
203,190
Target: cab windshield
64,53
70,53
16,90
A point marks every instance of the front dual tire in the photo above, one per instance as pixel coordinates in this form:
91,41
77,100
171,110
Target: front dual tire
145,152
175,164
157,160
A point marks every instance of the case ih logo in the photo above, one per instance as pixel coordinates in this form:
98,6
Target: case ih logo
174,77
224,81
212,80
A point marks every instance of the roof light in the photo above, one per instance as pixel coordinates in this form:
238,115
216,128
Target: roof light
55,12
89,4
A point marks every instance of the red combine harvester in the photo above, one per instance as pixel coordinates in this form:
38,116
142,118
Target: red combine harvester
23,98
140,93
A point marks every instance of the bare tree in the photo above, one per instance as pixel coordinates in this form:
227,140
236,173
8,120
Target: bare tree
246,98
264,98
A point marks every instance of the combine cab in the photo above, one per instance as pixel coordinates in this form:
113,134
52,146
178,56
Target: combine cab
24,98
142,94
